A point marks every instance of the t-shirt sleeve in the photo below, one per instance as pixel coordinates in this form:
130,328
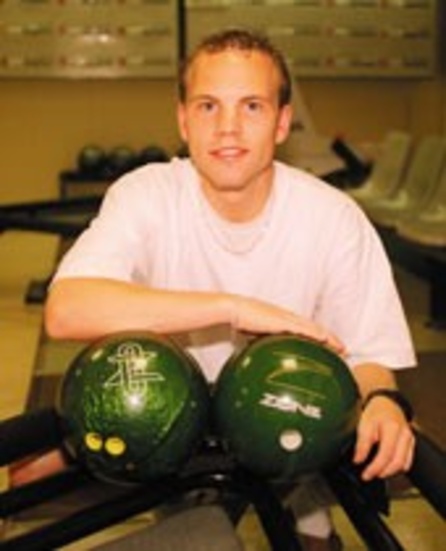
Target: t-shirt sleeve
117,239
360,300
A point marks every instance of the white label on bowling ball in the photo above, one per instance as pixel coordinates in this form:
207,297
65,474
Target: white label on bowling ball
291,440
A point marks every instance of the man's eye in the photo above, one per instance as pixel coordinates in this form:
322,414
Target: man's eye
206,106
253,106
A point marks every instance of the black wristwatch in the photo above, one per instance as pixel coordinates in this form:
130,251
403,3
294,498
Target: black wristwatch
395,395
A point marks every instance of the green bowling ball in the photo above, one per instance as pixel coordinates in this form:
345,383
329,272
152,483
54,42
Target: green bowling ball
285,406
134,406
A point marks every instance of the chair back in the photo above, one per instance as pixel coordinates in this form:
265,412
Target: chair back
388,169
423,175
435,209
387,172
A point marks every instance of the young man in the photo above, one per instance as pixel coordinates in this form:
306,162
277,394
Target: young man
230,243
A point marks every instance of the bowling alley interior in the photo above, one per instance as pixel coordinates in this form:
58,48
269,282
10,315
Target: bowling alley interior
88,93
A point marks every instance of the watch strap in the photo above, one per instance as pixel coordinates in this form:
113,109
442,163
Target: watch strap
395,396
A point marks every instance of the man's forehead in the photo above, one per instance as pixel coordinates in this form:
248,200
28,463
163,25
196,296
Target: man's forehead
208,65
228,54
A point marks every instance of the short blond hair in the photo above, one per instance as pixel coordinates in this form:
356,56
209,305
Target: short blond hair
244,40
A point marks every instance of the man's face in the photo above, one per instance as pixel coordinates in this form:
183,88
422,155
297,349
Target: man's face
231,118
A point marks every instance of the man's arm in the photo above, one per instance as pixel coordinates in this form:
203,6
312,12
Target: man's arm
88,308
383,423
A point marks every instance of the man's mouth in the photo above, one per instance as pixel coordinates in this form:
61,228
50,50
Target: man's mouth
228,153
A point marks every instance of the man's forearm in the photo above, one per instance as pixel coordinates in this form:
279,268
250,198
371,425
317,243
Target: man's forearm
370,376
89,308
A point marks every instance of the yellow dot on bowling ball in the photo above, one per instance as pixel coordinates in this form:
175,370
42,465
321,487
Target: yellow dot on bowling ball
93,441
115,445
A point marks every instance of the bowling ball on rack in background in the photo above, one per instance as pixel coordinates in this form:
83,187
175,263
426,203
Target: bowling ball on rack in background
182,152
91,161
152,154
121,159
285,406
134,407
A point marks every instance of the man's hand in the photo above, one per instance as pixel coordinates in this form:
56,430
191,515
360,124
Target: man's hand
89,308
255,316
382,423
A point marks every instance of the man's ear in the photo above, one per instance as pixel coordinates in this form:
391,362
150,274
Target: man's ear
181,120
284,123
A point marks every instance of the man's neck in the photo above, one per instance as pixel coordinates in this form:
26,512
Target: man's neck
239,205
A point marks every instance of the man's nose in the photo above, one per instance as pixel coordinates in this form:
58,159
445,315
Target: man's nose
229,120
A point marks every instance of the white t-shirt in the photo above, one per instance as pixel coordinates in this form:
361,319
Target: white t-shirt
312,251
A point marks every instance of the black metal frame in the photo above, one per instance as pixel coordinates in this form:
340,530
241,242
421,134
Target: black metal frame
364,503
425,261
64,217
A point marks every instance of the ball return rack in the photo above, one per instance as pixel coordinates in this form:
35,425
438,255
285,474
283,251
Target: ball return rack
211,468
